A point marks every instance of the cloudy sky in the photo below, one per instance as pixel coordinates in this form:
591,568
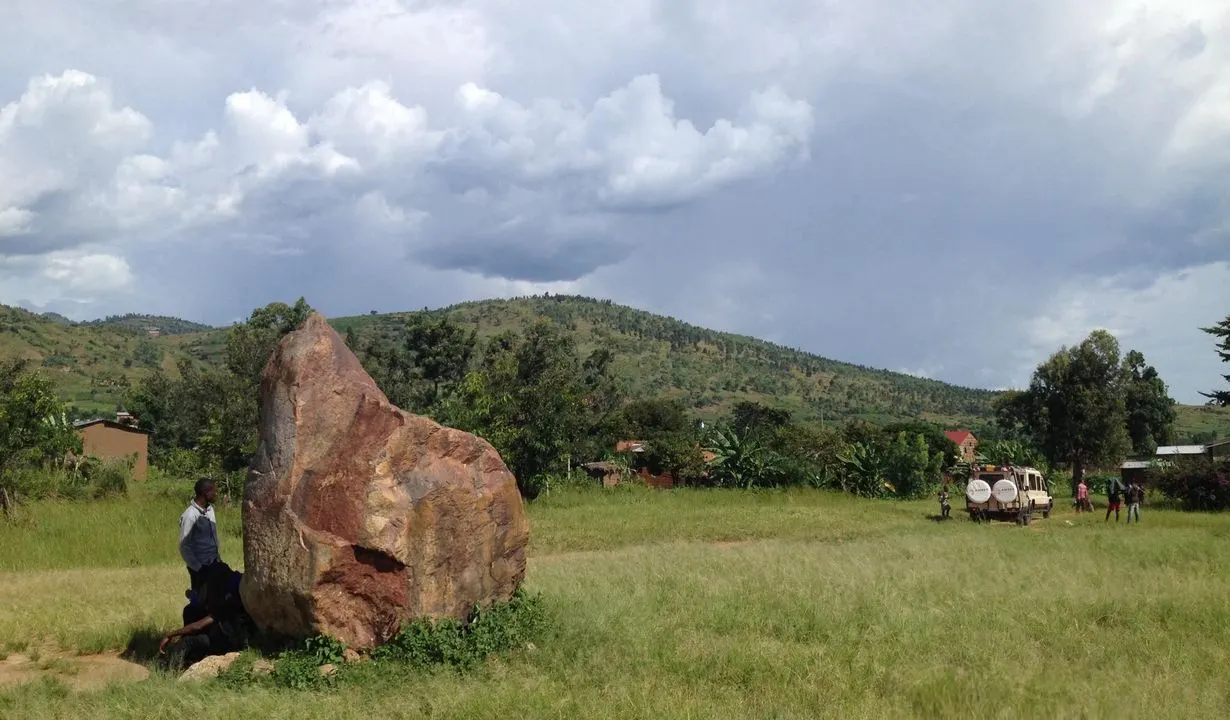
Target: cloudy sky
952,188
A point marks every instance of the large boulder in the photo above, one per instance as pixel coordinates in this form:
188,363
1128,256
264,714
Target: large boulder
358,516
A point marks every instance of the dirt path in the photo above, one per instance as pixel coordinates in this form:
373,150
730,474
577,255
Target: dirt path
79,672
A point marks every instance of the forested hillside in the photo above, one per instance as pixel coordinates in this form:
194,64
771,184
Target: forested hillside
663,357
94,363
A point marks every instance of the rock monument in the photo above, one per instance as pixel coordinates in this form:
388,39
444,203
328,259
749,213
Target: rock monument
358,516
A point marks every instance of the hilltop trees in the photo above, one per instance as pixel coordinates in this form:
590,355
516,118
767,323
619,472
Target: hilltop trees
1221,330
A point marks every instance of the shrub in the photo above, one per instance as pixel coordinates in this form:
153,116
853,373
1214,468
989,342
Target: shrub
502,627
419,645
91,478
1196,483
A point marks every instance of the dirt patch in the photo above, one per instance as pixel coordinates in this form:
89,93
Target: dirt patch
79,672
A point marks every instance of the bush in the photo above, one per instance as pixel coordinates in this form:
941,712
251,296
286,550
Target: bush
180,464
91,478
107,478
502,627
1196,483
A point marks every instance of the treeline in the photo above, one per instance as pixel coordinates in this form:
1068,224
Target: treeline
549,407
551,404
139,324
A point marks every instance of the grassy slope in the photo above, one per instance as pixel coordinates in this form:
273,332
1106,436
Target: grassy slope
715,604
658,356
86,362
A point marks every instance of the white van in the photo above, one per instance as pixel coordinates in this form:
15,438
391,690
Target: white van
1007,492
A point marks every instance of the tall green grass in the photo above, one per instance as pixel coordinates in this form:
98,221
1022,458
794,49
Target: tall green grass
700,604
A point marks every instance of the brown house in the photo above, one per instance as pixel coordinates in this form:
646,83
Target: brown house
111,440
966,443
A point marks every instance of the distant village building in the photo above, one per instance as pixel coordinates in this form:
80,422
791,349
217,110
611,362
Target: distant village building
966,443
116,440
1170,451
1137,469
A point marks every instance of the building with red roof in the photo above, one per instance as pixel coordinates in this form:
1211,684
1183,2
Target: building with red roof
965,442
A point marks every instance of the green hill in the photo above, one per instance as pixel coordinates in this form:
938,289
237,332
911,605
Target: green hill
657,357
93,364
663,357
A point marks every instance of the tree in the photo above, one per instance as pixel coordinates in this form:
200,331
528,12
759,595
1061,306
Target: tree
937,441
911,468
147,354
756,419
1221,330
1074,408
424,361
33,425
741,460
526,399
250,343
1150,409
214,412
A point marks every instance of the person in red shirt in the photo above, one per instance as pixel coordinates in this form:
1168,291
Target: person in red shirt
1082,497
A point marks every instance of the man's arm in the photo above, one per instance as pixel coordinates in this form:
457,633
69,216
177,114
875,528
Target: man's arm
186,523
190,629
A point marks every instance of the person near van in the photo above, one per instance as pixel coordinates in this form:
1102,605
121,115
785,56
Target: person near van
945,507
1114,499
1135,496
198,533
1082,497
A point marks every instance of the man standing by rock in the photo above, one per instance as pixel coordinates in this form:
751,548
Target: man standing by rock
198,533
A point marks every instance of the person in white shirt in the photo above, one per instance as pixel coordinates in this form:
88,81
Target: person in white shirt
198,533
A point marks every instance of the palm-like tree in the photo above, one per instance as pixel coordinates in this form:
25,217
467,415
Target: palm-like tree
866,469
741,460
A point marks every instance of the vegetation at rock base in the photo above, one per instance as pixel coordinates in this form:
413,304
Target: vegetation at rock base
421,646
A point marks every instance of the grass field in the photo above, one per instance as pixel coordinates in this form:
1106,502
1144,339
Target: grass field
700,604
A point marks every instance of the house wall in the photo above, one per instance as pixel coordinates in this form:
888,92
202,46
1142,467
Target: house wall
110,443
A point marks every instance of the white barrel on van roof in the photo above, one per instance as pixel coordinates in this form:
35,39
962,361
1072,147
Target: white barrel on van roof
1004,491
978,491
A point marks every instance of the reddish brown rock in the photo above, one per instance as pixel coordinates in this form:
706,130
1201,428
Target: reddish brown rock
359,516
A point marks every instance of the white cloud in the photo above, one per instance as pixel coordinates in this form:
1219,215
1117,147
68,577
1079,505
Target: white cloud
68,281
60,143
541,173
87,272
1160,317
738,165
